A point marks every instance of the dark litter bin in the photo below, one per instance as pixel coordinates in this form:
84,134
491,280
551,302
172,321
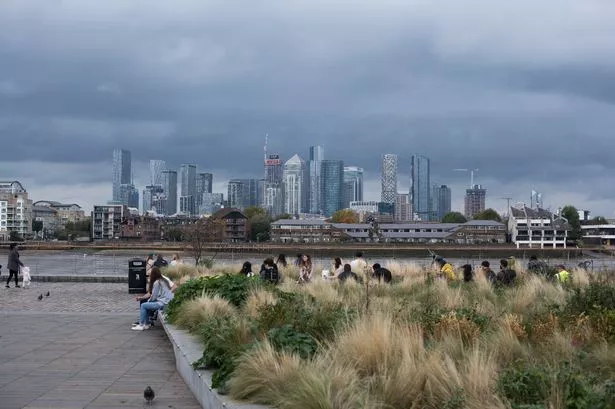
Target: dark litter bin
137,280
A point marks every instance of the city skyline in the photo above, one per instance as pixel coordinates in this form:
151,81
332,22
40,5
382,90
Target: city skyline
188,85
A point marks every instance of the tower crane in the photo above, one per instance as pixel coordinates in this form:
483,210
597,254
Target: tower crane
471,175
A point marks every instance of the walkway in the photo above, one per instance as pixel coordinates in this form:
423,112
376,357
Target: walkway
75,349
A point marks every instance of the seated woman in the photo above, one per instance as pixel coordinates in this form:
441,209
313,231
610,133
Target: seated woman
305,269
246,269
160,294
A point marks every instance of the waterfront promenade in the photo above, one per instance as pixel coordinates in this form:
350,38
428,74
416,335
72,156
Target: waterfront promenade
75,349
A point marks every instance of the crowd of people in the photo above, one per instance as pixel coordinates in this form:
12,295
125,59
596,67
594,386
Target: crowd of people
339,270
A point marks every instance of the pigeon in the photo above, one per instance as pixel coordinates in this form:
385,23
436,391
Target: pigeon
149,394
40,297
47,295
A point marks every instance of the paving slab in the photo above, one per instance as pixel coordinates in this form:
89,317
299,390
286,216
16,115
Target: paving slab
75,349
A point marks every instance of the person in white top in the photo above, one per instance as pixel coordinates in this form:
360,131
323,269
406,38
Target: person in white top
176,260
338,266
358,265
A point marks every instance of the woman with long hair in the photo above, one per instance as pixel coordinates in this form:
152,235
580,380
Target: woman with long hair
305,269
246,269
281,261
160,294
338,266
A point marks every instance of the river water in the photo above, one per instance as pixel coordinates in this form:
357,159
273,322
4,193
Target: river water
115,263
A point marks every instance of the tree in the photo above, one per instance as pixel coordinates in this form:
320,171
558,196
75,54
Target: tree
454,217
260,227
284,216
174,234
252,211
201,233
488,214
572,215
345,216
37,226
15,236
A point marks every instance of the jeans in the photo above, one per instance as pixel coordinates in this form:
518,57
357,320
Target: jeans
146,307
11,273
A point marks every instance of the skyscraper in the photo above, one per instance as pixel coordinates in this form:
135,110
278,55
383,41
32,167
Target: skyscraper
154,198
169,185
441,201
332,182
317,155
204,182
294,185
420,186
187,199
388,173
122,173
353,185
155,169
475,200
272,195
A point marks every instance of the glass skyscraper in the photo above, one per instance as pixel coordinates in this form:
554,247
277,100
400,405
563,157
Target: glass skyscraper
122,174
317,155
294,186
420,186
440,201
169,185
187,199
332,183
155,169
353,185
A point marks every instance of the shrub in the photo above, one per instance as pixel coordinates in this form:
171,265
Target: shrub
287,339
192,313
525,384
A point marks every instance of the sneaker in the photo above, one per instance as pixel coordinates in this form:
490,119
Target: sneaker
17,286
8,286
140,327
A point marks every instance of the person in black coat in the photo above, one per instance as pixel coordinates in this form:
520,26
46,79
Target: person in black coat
347,273
381,273
13,265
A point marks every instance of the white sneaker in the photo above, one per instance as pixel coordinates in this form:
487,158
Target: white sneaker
140,327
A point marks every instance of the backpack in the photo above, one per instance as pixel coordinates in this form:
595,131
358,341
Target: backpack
272,275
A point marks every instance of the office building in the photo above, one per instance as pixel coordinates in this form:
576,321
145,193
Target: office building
204,184
169,185
122,172
243,193
536,200
440,201
15,211
388,172
474,201
129,196
403,208
187,198
317,155
420,187
353,185
294,183
332,183
154,199
212,202
156,167
272,195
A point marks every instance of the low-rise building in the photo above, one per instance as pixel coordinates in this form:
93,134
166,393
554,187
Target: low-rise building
537,228
599,234
107,221
15,211
315,231
235,225
143,228
55,215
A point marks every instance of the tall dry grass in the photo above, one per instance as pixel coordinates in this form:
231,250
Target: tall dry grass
258,298
194,312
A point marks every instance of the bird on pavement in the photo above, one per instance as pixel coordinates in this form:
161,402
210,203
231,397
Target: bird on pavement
149,394
40,297
47,295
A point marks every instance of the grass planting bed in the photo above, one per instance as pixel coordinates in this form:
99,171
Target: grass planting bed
418,343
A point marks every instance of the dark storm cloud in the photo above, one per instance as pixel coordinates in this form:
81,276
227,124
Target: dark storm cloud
493,85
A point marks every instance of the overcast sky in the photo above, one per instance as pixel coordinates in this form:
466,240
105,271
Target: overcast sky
522,90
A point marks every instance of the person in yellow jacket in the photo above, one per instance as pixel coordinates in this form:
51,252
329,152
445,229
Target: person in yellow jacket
562,276
446,269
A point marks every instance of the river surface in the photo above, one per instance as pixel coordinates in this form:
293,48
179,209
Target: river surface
115,263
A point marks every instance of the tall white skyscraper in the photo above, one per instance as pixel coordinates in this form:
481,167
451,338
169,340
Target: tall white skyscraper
122,173
317,155
389,178
155,170
294,185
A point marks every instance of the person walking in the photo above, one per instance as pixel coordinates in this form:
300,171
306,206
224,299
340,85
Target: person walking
13,265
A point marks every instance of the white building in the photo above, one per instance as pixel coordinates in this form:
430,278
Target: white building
107,221
294,181
537,228
15,210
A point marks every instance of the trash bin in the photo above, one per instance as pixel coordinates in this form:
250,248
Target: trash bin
137,280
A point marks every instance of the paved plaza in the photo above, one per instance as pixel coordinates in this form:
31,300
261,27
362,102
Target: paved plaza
75,349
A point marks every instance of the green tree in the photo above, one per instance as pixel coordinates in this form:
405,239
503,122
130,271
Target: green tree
488,214
284,216
598,220
252,211
572,215
345,216
260,227
37,226
174,234
15,236
454,217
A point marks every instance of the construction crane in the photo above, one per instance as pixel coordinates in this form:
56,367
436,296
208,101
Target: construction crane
471,175
508,199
